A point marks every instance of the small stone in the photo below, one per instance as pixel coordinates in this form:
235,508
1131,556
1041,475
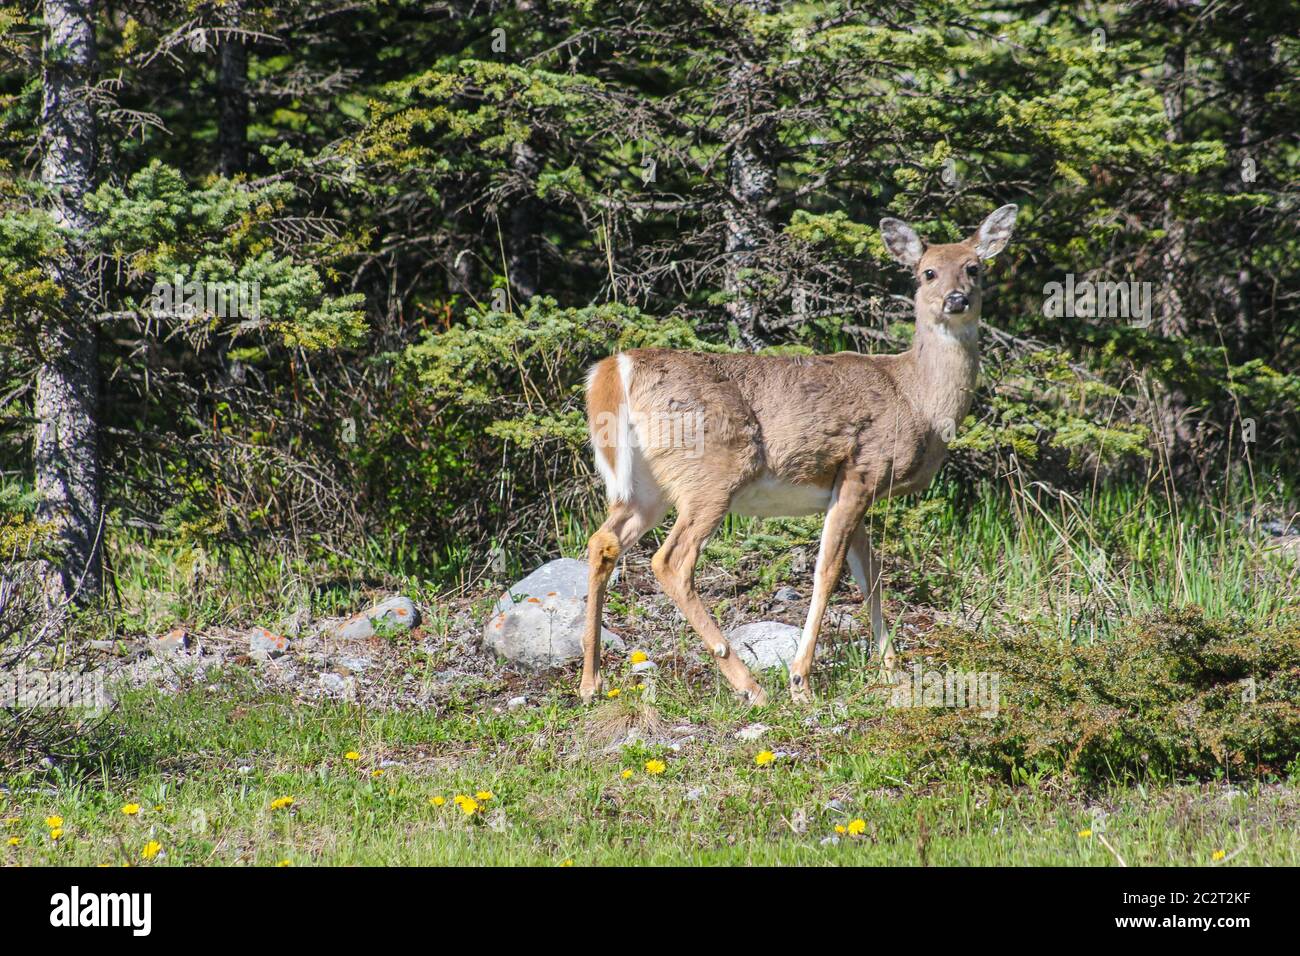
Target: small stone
644,667
396,613
786,594
351,665
333,683
830,841
836,805
514,703
693,795
173,642
266,644
752,732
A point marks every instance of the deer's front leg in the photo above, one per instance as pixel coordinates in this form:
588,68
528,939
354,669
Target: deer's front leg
848,503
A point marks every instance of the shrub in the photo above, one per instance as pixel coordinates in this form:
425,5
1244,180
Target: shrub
1174,695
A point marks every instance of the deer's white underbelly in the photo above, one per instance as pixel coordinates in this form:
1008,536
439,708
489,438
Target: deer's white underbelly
768,496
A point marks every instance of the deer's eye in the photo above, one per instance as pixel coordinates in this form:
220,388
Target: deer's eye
929,275
972,270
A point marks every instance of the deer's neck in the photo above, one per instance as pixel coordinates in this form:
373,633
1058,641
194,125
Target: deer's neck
944,368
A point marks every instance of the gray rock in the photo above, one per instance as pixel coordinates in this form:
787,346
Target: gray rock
786,594
264,643
538,622
693,795
765,644
752,732
336,684
514,703
351,665
644,667
396,613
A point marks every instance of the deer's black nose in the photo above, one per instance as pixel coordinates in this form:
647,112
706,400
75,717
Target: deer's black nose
956,302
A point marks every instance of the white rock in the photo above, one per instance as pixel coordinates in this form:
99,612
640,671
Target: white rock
396,613
765,644
514,703
644,667
752,732
538,622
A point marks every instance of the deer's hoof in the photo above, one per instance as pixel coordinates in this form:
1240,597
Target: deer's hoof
801,690
755,696
589,692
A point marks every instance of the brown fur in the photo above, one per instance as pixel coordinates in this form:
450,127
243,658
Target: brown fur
792,435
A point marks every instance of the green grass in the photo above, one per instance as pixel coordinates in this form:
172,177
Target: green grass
206,765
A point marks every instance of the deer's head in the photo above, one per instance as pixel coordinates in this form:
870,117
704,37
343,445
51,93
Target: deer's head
948,276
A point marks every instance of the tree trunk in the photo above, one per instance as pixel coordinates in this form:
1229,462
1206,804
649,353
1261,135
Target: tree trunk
750,181
67,384
523,224
1174,409
232,101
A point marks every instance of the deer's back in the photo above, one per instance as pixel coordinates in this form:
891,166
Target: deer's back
777,429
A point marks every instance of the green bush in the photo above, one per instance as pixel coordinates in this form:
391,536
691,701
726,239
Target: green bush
1172,696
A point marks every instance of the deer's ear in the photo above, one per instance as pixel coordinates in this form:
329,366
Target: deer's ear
902,242
995,232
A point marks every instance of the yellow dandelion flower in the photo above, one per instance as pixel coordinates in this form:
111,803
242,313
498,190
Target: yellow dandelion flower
655,766
56,833
1084,834
55,821
857,827
611,694
485,795
285,863
567,863
639,657
281,803
151,849
131,809
1218,855
437,801
765,758
841,828
468,805
626,774
15,841
376,773
158,807
352,755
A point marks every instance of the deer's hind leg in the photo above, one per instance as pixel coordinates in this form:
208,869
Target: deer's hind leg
674,566
865,565
626,523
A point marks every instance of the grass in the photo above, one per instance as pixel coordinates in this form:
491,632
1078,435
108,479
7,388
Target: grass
206,766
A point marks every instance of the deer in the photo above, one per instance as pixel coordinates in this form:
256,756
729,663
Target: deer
709,434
